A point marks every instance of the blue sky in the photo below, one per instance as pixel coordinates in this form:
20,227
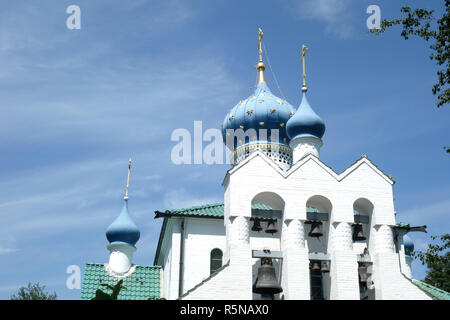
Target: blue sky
76,104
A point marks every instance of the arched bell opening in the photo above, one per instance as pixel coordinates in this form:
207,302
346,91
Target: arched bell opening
265,239
362,214
361,235
317,230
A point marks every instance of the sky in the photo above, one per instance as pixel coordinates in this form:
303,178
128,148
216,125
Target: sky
77,103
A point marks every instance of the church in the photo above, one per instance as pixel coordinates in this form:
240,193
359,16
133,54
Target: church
289,226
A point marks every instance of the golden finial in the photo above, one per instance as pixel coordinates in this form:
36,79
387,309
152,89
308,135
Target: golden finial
128,180
260,35
302,59
260,66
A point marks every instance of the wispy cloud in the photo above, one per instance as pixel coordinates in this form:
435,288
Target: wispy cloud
335,14
180,198
430,214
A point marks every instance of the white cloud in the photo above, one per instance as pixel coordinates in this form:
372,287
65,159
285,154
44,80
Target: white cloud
180,198
335,14
7,250
430,214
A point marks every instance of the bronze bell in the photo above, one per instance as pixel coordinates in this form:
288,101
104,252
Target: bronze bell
315,266
271,227
325,267
363,276
256,225
358,234
266,283
315,230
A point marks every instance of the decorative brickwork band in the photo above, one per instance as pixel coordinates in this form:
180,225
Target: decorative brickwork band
342,237
293,234
240,230
384,239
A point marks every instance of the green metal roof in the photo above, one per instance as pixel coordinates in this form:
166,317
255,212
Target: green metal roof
142,284
436,293
214,210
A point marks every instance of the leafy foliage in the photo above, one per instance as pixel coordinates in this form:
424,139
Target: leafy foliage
33,292
101,295
438,273
423,23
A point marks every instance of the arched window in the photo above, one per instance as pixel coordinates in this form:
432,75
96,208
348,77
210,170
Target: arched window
216,260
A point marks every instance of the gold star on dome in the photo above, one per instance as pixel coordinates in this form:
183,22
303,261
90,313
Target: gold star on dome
231,117
261,123
279,102
291,114
249,111
241,126
272,110
284,139
261,101
282,125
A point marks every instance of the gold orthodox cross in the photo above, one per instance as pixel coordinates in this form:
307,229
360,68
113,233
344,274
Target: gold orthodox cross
128,179
260,35
302,59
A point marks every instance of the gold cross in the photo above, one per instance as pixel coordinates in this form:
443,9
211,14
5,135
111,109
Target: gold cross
128,179
302,60
260,35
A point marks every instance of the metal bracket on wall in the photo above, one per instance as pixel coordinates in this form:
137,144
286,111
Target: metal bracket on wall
363,258
361,219
317,216
267,254
319,256
266,214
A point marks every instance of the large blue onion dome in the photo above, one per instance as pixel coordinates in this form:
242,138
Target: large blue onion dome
123,229
408,244
262,110
305,122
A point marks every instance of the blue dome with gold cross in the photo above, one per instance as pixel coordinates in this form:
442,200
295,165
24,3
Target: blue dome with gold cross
262,110
123,229
305,122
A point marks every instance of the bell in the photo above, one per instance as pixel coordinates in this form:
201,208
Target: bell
315,230
315,266
271,227
363,276
358,234
325,267
266,283
256,225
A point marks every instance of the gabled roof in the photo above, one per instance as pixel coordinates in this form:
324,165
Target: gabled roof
285,174
144,283
435,293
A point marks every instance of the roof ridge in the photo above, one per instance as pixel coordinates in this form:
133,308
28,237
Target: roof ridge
208,205
441,294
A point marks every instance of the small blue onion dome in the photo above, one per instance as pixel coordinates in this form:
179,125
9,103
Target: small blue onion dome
123,229
408,244
262,110
305,122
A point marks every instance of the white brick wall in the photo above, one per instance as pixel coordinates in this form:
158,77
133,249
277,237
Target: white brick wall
307,178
